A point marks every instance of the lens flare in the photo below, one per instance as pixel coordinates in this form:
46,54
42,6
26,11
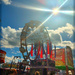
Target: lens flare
62,4
47,19
39,26
55,11
30,7
67,12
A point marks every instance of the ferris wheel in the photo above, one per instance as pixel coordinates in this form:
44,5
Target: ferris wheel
32,33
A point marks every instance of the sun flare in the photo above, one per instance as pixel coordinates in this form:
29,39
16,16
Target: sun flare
55,11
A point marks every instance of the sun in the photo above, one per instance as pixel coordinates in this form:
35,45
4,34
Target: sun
55,11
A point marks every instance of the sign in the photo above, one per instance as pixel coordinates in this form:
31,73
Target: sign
60,57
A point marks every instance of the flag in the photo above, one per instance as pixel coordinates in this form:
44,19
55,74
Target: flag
47,47
41,54
46,51
51,54
43,48
35,49
31,50
55,50
39,49
50,48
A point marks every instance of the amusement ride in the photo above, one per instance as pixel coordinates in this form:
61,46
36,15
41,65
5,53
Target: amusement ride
36,36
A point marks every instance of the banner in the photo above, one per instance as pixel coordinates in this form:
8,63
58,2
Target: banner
32,50
35,49
60,57
41,54
47,47
39,49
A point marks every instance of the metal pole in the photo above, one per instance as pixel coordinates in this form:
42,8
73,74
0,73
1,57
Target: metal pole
66,61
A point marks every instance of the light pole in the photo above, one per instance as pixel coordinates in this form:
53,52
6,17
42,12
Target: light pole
66,61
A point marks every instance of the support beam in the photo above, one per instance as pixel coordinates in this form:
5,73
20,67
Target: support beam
67,70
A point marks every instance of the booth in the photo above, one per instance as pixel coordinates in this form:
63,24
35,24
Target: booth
2,56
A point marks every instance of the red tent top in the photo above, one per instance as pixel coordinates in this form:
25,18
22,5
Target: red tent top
1,51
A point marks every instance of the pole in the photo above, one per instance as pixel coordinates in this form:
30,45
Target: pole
66,70
66,61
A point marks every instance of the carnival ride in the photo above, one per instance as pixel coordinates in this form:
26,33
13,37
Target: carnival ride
41,59
37,36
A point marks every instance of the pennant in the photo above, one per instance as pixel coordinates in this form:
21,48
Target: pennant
41,54
31,50
46,52
55,50
47,47
35,49
50,48
39,49
43,48
51,54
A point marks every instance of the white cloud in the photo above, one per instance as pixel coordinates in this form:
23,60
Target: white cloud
13,52
7,1
56,38
11,37
9,59
73,58
18,52
66,43
67,29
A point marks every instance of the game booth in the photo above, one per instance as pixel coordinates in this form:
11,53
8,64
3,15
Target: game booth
2,56
2,60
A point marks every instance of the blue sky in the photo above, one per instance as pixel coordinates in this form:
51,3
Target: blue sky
16,13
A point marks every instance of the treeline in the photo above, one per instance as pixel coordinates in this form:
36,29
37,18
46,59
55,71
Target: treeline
8,65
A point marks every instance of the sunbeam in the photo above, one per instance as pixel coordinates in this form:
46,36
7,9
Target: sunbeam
62,4
30,7
67,12
55,11
39,26
45,20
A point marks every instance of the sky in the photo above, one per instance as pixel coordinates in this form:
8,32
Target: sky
16,13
